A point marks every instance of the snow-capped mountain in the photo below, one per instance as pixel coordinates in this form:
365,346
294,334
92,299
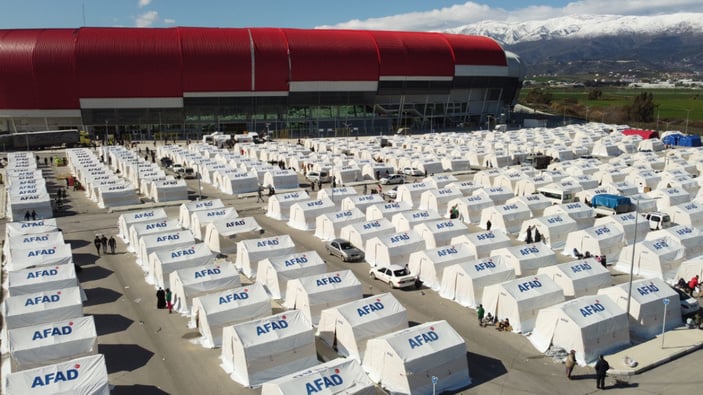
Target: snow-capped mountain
585,26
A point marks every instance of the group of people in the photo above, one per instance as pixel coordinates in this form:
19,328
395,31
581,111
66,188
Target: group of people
102,242
164,299
488,320
454,212
32,215
529,238
260,193
689,286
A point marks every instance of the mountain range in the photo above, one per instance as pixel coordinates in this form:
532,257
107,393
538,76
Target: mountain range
636,45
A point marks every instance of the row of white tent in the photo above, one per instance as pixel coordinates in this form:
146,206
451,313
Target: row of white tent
25,188
48,345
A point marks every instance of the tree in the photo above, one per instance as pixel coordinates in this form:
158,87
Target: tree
539,96
642,108
595,94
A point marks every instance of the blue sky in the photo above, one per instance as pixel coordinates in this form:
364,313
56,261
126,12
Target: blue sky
418,15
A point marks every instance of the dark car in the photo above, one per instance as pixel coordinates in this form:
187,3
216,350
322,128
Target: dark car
345,250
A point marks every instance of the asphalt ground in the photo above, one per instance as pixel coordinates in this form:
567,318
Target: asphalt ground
149,351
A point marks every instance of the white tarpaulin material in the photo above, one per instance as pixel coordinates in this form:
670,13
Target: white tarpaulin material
403,361
169,190
536,203
386,210
303,214
279,205
470,207
689,214
361,201
349,326
281,179
53,342
410,193
578,278
214,311
520,299
164,262
647,306
140,229
312,294
250,252
393,249
328,225
26,256
40,279
200,219
80,376
30,227
482,243
690,268
275,272
187,209
404,221
526,259
236,182
584,216
605,239
464,282
499,195
439,233
506,217
591,325
221,234
626,223
199,280
658,258
336,194
42,307
161,241
258,351
338,376
690,238
437,199
554,229
429,264
34,241
127,219
361,232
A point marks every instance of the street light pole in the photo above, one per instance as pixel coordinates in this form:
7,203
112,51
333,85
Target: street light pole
688,111
106,122
632,261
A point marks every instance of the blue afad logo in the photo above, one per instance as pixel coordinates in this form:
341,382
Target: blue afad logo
208,272
423,338
591,309
53,378
328,280
323,382
234,296
271,326
42,299
370,308
53,331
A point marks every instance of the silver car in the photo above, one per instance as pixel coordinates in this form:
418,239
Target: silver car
344,250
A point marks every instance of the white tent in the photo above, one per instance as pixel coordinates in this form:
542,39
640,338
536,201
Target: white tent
411,193
690,268
46,343
250,252
656,258
221,234
85,375
281,179
30,227
42,307
584,216
236,182
312,294
213,311
669,197
169,190
34,241
535,202
626,223
164,262
591,325
526,259
689,214
27,281
200,219
19,203
429,264
187,209
606,239
465,187
303,214
159,241
402,362
328,225
393,249
361,201
349,326
338,376
499,195
139,229
386,210
482,243
464,282
404,221
438,233
520,299
506,217
124,194
22,258
554,229
275,272
470,207
437,199
258,351
361,232
647,306
191,282
278,206
127,219
336,194
578,278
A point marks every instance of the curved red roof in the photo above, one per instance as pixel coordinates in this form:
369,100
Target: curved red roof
18,86
414,54
476,50
270,60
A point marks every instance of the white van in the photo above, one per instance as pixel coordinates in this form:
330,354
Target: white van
557,196
658,220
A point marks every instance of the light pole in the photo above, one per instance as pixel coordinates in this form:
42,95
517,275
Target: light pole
632,261
200,195
602,117
106,122
687,113
587,109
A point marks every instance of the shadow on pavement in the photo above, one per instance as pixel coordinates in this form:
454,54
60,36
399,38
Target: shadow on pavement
111,323
138,389
483,368
92,273
85,259
100,295
124,357
78,243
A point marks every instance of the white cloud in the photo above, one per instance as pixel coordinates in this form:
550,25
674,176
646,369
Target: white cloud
146,19
472,12
169,21
143,3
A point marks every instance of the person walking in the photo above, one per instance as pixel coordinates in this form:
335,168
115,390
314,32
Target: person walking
97,243
34,215
260,194
112,243
103,242
570,363
601,367
160,298
366,189
480,312
27,216
528,238
489,224
169,305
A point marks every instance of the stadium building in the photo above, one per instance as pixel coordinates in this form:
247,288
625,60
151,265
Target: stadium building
293,82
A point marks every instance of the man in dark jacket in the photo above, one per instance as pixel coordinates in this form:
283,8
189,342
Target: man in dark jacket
602,367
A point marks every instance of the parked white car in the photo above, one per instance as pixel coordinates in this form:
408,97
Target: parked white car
395,276
392,179
413,171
